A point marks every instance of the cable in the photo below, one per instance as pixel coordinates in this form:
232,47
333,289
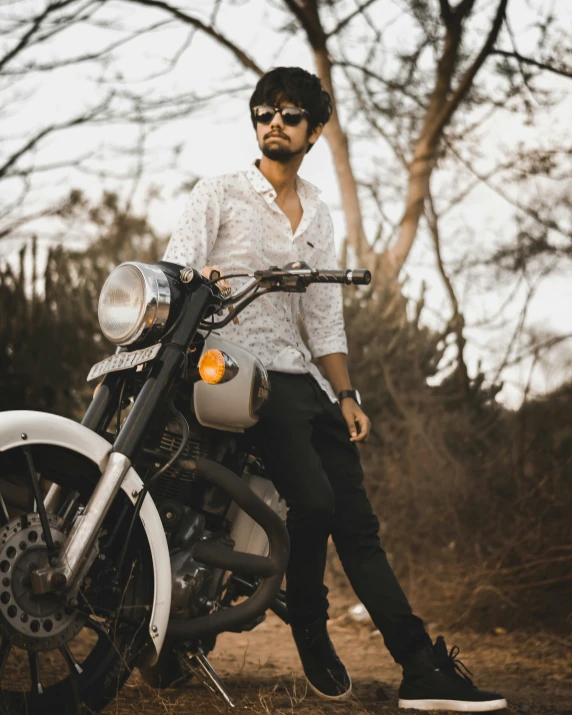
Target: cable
224,278
120,403
148,482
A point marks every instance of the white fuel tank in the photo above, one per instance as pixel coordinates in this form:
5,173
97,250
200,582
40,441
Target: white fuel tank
232,406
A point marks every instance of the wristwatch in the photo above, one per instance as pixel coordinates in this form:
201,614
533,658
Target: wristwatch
350,393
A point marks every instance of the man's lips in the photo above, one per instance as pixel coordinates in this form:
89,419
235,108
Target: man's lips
276,136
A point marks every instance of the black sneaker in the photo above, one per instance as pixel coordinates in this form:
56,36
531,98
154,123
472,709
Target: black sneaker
434,679
324,671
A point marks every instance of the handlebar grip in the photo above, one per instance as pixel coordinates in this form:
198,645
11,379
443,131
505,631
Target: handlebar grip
360,276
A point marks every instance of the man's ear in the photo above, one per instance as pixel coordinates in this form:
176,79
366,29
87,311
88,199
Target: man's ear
313,138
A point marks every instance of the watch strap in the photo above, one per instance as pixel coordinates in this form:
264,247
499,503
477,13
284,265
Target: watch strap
354,394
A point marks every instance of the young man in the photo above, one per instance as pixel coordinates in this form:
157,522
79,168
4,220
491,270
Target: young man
308,430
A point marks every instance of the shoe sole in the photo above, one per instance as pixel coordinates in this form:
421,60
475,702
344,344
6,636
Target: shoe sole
339,698
458,706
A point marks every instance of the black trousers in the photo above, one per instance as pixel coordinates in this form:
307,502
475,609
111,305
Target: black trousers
303,440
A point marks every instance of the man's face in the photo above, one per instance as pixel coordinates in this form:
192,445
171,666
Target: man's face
281,142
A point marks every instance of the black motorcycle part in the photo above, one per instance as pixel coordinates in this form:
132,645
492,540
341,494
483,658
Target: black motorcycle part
166,368
104,404
237,587
170,670
213,554
236,616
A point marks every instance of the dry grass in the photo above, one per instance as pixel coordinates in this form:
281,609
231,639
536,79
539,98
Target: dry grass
263,674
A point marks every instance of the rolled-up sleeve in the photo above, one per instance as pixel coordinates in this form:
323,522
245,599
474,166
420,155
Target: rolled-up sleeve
197,229
321,307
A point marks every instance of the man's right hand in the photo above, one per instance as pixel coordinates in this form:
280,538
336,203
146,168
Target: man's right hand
224,287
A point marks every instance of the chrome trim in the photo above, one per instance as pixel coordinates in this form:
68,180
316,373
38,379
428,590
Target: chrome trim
157,298
53,498
74,557
231,367
241,291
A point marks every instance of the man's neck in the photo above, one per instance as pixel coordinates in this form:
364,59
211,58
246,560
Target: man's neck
281,176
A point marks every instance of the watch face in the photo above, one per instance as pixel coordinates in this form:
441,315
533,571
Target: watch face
350,393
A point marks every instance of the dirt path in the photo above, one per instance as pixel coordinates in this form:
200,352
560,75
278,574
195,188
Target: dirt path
262,671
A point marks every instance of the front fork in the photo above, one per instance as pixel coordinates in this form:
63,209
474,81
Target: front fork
74,558
79,551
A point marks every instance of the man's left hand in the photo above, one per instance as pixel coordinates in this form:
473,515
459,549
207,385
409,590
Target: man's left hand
357,421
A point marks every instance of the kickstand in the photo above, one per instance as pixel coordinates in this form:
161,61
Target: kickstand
200,666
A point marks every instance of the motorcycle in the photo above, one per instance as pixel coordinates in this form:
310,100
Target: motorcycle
126,540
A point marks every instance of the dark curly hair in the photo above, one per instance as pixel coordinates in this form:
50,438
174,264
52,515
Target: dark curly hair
293,84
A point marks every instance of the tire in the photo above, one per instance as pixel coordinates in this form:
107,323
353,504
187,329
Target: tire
115,614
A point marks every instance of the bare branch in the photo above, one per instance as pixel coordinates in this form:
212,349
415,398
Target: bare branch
535,63
392,85
446,11
342,23
33,36
80,59
547,344
241,56
31,143
457,321
297,11
466,82
36,23
464,8
513,43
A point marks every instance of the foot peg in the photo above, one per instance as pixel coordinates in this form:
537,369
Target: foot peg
200,666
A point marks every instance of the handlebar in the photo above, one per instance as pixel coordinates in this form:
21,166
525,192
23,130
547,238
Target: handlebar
289,279
358,277
276,277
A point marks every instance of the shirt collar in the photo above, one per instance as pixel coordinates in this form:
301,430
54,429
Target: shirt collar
306,190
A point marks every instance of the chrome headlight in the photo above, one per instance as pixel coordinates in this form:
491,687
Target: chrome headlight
134,301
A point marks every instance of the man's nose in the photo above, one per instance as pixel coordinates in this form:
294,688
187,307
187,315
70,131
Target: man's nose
277,121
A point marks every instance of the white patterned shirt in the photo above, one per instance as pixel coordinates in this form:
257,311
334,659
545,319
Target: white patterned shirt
233,221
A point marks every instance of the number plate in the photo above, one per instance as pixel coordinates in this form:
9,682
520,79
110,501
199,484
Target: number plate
123,361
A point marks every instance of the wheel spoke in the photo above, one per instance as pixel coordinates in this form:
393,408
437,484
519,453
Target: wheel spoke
4,518
39,499
98,627
75,670
5,648
35,673
74,667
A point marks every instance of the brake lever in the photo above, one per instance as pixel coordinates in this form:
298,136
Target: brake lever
294,280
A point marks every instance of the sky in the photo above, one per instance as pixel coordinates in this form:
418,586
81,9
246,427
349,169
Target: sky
219,138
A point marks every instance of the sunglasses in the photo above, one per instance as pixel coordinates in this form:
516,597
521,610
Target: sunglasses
291,116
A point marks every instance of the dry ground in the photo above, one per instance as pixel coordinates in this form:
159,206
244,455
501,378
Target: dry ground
261,669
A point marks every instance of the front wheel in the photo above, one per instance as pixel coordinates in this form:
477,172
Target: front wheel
62,652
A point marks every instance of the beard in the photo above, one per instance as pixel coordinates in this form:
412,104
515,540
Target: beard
280,153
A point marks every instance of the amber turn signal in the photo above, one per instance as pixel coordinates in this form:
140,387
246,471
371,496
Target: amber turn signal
212,367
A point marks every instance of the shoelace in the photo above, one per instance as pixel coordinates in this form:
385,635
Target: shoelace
457,666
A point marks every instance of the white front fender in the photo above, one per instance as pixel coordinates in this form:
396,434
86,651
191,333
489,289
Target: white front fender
25,427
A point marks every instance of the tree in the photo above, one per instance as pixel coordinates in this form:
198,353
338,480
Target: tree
426,103
49,332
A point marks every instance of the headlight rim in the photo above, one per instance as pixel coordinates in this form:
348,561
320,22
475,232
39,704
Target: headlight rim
154,314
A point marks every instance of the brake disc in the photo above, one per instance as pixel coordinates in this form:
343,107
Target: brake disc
32,622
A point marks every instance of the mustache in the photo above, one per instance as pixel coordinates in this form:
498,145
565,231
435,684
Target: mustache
276,134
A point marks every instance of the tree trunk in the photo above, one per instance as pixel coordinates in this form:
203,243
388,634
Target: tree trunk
338,142
442,105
